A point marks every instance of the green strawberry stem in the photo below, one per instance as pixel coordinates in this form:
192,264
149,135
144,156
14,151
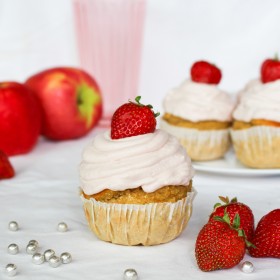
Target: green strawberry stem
276,57
235,225
137,99
225,200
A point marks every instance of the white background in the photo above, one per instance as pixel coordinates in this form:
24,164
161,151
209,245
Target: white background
236,35
36,34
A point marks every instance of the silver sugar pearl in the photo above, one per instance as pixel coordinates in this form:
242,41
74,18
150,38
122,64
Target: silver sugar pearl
13,226
35,242
65,257
11,269
130,274
247,267
38,258
48,254
13,249
62,227
31,249
54,261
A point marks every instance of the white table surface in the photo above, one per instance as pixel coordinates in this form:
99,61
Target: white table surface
44,192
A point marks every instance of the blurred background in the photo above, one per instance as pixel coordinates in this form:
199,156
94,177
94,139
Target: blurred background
236,35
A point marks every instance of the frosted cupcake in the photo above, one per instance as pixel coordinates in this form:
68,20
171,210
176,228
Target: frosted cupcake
136,181
199,114
256,127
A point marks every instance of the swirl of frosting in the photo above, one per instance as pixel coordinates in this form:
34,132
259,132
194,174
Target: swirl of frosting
259,101
151,161
199,102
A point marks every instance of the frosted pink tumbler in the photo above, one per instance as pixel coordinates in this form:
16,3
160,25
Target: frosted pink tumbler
109,35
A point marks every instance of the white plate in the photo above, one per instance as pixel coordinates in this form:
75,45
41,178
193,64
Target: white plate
230,165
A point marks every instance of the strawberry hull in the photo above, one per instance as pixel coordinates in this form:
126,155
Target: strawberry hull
245,213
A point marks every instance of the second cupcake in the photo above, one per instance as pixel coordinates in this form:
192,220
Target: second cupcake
198,113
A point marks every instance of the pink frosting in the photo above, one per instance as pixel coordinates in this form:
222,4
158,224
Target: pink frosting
259,101
199,102
151,160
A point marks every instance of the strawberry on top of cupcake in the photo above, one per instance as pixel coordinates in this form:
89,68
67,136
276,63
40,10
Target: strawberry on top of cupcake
132,119
136,180
270,70
197,111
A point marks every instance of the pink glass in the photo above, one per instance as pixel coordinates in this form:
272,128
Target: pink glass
109,34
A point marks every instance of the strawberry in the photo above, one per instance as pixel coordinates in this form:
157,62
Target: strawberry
6,169
267,236
204,72
232,207
220,245
133,119
270,70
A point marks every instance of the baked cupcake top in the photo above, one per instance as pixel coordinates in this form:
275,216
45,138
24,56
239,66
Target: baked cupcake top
150,160
259,101
199,102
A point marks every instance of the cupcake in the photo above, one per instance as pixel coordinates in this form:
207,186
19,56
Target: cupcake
256,127
136,180
198,113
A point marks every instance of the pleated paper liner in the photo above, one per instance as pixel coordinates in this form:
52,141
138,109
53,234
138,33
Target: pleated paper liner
201,145
258,146
135,224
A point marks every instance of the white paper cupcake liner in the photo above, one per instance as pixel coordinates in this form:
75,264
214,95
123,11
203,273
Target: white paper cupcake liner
200,145
134,224
258,146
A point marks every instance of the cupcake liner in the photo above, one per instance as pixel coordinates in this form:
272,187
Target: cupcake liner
200,145
134,224
258,146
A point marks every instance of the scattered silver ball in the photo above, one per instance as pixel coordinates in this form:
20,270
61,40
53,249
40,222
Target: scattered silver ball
247,267
48,254
130,274
31,249
65,258
11,269
38,258
54,261
13,249
13,226
62,227
35,242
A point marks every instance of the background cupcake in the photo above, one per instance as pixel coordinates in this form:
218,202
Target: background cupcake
136,181
198,113
256,128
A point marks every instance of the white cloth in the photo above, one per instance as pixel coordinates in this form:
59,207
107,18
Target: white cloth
44,192
236,35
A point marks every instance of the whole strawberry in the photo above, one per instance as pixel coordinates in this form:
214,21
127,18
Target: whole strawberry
233,207
267,236
270,70
204,72
133,119
6,169
220,245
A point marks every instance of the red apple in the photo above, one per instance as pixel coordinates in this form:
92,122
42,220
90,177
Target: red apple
20,119
70,99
